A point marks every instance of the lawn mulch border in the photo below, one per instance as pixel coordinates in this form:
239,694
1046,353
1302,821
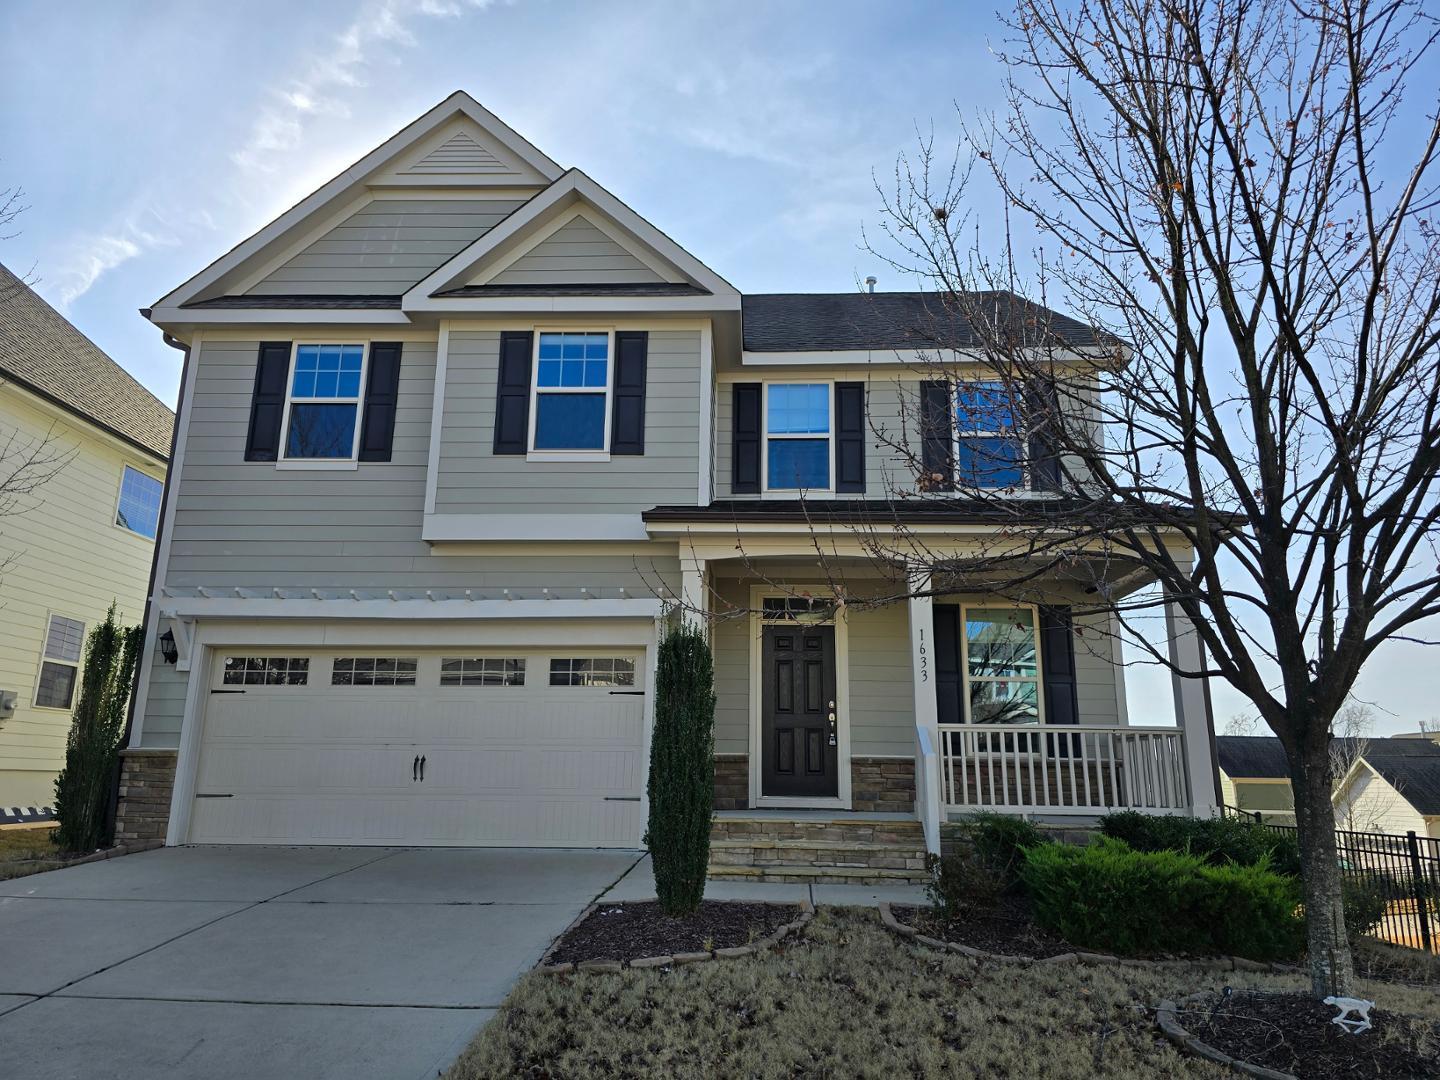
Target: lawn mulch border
101,855
806,909
1217,963
1165,1019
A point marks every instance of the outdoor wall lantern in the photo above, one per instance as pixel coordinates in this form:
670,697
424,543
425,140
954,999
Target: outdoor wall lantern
168,651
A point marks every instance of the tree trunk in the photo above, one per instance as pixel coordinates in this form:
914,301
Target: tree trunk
1331,968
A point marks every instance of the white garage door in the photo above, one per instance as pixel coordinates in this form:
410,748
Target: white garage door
519,747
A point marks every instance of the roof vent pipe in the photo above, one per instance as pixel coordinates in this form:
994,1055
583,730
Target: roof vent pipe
870,283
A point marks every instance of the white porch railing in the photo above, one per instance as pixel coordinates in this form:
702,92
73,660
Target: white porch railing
1070,769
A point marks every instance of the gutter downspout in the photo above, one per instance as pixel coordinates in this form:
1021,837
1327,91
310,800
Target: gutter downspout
113,805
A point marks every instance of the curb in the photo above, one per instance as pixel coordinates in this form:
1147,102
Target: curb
110,853
1215,963
807,912
1165,1019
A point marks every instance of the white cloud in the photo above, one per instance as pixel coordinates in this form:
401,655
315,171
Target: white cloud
333,71
87,258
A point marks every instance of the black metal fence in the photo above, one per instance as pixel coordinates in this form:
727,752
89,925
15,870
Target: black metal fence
1404,871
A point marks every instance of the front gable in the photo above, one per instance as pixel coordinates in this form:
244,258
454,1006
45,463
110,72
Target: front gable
460,153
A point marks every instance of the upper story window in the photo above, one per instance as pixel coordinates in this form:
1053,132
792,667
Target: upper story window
797,436
989,452
139,507
572,392
60,663
322,419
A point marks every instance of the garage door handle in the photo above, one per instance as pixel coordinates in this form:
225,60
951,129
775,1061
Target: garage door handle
422,768
227,691
622,798
626,693
415,768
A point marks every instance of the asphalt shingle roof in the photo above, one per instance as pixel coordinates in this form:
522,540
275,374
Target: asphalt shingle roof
41,351
1412,767
809,322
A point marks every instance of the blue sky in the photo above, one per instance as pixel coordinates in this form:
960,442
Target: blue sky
749,133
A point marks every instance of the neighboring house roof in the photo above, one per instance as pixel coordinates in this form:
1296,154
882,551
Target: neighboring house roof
809,322
1411,767
41,351
1257,757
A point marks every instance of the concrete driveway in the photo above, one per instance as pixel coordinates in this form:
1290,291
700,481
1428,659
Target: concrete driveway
251,962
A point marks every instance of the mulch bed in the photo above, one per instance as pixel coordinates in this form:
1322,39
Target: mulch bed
631,930
1013,933
1293,1033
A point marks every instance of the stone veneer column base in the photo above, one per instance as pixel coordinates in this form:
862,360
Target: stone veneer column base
147,779
882,785
732,781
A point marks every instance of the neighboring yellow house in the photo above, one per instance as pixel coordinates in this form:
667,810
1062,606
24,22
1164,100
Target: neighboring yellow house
77,526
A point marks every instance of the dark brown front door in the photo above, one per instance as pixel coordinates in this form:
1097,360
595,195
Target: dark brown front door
798,736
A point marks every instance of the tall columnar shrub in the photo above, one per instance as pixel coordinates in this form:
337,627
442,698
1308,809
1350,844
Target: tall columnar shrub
82,789
682,769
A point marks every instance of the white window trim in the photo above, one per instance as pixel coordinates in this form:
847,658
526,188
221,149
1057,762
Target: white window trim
323,464
603,454
46,659
120,493
765,437
956,435
1034,610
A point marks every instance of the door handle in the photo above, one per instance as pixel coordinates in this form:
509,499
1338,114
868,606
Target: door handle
422,768
415,768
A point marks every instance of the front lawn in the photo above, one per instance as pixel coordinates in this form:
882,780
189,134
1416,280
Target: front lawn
848,999
27,851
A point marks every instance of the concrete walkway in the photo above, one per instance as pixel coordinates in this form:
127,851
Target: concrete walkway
258,963
639,884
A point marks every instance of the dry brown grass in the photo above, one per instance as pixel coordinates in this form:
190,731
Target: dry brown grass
27,851
851,1000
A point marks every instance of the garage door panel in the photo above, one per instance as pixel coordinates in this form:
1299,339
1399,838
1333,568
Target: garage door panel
513,765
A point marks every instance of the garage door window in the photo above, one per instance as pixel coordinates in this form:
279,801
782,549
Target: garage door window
481,671
592,671
266,671
373,671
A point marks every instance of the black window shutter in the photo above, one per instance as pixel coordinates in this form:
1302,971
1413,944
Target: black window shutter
745,442
1057,663
949,700
1040,411
850,437
267,403
382,394
512,392
937,437
627,413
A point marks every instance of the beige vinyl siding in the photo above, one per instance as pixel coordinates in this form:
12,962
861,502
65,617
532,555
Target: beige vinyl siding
577,254
888,397
1373,804
386,246
473,480
249,524
63,554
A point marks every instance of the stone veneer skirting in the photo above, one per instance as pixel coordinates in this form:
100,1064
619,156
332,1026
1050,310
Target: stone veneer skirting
147,779
877,785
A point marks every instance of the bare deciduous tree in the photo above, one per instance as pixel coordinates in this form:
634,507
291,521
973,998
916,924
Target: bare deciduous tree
1223,186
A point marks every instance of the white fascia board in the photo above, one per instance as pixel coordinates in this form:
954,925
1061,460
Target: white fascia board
888,357
461,267
172,316
457,103
217,607
486,305
439,528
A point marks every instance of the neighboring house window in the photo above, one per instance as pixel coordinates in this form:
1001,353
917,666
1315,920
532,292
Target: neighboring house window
797,436
1002,665
373,671
481,671
323,408
593,671
139,509
572,392
60,663
989,452
266,671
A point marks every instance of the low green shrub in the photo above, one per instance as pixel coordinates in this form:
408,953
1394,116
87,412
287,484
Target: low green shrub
1111,897
997,842
1365,903
1216,840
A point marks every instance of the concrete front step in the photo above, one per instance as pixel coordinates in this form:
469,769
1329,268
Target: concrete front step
849,875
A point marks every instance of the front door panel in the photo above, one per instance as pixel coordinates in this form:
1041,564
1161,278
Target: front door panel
799,736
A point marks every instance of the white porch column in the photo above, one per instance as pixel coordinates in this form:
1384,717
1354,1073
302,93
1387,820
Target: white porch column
694,596
927,718
1192,708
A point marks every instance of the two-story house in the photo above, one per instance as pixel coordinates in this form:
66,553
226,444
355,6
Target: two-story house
83,453
458,427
